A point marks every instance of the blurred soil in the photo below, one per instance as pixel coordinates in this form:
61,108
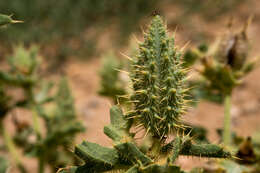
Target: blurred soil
94,109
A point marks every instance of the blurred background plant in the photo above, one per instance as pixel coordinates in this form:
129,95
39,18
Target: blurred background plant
54,124
111,81
223,65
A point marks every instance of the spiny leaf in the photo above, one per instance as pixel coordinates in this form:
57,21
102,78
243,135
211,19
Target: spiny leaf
5,20
119,127
130,152
96,155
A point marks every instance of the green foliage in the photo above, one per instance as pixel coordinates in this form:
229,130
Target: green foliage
126,155
192,56
24,61
60,123
111,84
157,76
3,165
64,100
224,64
232,62
61,126
23,65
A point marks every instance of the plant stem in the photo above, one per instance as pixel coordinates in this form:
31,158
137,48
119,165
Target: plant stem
156,146
11,148
36,125
227,121
30,95
41,164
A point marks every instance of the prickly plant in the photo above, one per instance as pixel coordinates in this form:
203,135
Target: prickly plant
61,125
5,107
158,104
24,61
5,20
157,77
111,84
223,66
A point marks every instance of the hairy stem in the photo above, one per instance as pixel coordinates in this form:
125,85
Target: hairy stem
227,121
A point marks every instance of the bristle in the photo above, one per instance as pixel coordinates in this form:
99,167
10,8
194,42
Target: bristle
127,57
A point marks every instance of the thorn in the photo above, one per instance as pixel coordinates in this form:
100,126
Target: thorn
142,29
124,96
147,131
246,25
185,45
124,55
139,125
136,39
122,71
15,21
175,31
189,132
235,157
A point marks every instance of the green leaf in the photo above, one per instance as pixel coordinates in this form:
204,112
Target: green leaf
204,150
130,152
119,126
95,155
3,165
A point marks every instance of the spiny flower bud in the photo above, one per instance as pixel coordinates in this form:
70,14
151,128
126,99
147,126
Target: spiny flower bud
157,70
233,47
24,61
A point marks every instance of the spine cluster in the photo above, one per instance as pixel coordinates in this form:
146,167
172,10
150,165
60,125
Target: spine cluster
157,77
158,96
